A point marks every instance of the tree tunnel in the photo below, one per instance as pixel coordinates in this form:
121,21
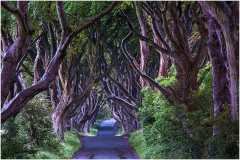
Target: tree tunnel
84,65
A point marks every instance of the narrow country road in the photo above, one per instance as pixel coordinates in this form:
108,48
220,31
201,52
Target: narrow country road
106,145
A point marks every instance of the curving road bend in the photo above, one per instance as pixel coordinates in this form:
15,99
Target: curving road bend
106,145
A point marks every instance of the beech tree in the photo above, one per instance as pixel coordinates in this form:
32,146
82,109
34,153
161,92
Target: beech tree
13,53
227,16
144,46
21,14
221,88
188,52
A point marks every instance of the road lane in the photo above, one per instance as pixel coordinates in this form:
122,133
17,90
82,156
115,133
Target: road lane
106,145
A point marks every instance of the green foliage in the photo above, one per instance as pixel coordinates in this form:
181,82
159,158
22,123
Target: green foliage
37,122
8,21
126,4
30,135
75,15
171,131
66,149
138,142
89,9
97,7
71,144
207,81
30,130
104,113
14,142
42,9
94,128
226,144
170,80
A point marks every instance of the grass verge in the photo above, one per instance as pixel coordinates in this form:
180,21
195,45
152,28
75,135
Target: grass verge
64,150
137,141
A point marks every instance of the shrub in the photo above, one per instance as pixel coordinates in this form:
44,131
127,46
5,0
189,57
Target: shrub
29,132
14,143
170,131
138,142
65,150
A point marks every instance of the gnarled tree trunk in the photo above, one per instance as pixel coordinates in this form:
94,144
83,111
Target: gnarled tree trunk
227,15
13,53
221,92
144,46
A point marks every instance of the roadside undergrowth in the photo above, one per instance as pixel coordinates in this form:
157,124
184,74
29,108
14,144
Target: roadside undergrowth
66,148
136,140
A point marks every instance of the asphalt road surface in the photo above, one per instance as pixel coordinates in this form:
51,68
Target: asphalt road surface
106,145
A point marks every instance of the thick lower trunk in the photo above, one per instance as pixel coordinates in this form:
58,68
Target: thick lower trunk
83,127
187,81
58,127
23,97
58,116
60,132
123,128
221,91
14,53
10,95
228,22
80,124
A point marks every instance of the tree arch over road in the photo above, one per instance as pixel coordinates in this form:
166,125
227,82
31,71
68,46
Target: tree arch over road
81,63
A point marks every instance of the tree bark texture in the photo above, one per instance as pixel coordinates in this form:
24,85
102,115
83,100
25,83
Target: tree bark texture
144,46
221,91
163,65
228,18
13,53
70,82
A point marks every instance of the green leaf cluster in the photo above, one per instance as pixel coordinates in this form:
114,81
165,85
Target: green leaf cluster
171,131
30,135
14,144
66,149
30,131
